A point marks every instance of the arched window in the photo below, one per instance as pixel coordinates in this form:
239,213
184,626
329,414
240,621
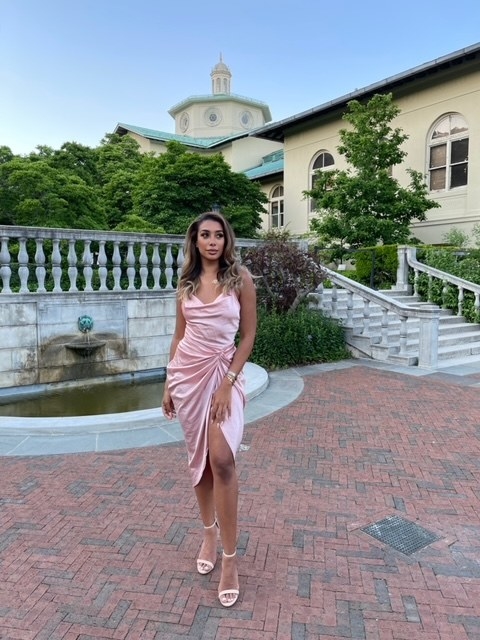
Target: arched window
276,207
448,153
323,162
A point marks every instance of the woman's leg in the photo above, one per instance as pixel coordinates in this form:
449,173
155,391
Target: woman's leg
206,504
225,489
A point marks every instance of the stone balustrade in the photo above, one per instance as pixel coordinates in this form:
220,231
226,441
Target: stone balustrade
44,260
49,278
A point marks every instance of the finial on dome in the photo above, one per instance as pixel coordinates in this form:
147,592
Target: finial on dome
221,76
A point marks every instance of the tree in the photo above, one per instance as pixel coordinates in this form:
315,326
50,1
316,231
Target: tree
365,205
175,187
77,159
33,193
119,162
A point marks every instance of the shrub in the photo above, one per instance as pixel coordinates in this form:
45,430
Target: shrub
300,337
285,273
377,265
465,265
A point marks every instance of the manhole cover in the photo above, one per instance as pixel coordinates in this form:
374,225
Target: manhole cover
400,534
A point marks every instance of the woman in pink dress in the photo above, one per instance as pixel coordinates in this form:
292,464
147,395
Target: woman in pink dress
205,384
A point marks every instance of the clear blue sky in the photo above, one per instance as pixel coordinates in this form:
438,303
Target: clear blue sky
70,70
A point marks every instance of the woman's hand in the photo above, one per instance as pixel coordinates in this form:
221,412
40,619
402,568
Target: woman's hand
221,402
167,405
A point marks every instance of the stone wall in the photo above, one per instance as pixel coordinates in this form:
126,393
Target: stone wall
134,331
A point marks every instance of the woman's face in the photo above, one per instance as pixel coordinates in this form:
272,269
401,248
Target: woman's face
210,240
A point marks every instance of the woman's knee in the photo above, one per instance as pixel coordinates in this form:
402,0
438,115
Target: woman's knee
223,467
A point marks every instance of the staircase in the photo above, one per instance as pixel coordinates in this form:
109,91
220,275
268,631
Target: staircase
374,331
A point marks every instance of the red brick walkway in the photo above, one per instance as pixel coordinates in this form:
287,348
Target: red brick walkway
97,546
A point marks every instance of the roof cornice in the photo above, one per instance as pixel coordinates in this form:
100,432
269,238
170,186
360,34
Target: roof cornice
276,130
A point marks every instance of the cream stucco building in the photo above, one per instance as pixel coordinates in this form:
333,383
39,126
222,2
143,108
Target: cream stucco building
219,122
439,110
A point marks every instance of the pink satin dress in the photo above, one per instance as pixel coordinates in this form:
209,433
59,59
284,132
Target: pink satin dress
201,360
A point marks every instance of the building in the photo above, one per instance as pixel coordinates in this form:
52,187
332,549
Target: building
440,112
439,105
219,122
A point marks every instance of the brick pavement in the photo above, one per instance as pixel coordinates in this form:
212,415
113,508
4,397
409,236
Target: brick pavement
102,546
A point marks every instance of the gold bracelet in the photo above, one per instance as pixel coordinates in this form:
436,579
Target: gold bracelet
231,377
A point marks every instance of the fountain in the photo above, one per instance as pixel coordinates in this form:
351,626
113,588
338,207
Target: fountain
85,345
106,432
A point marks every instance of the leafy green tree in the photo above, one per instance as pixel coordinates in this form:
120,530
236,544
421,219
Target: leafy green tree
364,204
175,187
33,193
6,154
119,160
77,159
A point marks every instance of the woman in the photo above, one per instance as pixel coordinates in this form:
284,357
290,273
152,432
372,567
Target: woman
205,385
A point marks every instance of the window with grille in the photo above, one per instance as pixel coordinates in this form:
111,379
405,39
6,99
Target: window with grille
323,162
448,154
276,208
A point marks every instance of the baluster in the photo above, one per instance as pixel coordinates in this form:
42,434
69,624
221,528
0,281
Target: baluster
403,335
87,261
477,307
117,269
5,270
460,301
56,266
72,265
334,301
168,266
143,266
40,271
23,265
319,295
180,260
102,266
384,340
156,271
366,317
349,309
444,294
415,281
131,266
430,288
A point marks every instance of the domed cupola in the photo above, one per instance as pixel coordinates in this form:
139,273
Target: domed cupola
221,77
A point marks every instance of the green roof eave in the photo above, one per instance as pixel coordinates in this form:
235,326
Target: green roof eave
189,141
264,170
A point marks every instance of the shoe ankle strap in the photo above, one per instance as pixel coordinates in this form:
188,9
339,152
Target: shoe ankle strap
231,555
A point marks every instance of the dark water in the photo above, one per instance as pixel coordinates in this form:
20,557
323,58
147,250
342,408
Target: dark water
97,399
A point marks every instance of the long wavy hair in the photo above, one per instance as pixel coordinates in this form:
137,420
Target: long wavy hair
228,276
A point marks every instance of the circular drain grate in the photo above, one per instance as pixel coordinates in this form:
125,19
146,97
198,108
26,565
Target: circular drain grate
402,535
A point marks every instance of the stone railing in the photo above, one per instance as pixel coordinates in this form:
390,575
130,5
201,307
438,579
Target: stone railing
391,309
407,260
44,260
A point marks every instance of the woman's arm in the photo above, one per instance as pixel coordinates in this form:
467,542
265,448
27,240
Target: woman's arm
179,331
222,398
167,402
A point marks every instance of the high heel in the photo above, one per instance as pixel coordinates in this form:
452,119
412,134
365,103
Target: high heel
206,566
228,592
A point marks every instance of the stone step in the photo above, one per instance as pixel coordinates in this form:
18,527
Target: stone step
458,340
